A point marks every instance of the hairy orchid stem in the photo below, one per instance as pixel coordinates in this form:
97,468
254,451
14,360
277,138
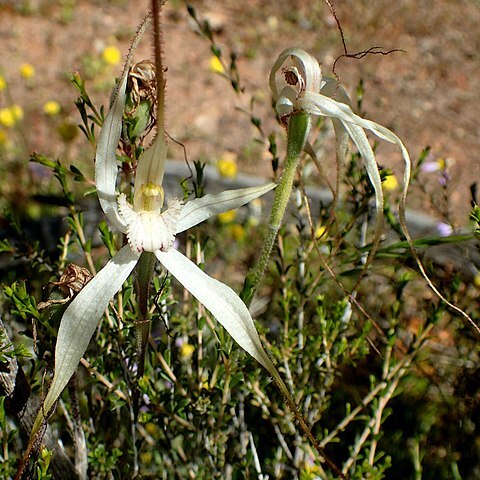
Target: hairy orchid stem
298,128
159,67
143,276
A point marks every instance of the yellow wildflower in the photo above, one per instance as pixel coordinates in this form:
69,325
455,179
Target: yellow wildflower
9,116
51,108
3,83
227,217
320,232
112,55
27,70
6,117
186,351
17,112
237,231
146,458
476,280
390,183
227,165
151,428
216,65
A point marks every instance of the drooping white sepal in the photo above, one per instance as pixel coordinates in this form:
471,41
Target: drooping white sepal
224,304
80,321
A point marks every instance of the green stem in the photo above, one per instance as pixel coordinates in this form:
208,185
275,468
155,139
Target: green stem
143,276
298,128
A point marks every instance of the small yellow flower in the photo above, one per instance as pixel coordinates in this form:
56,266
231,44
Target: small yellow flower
320,232
227,165
151,428
27,70
476,280
272,22
3,83
112,55
237,231
186,351
390,183
227,217
6,117
146,458
17,112
51,108
216,65
9,116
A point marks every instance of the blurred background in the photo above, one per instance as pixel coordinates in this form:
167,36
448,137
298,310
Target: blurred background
427,92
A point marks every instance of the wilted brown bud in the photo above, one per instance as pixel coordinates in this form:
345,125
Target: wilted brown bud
73,279
142,83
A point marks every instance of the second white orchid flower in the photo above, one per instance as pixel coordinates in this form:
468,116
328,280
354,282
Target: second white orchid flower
300,93
298,86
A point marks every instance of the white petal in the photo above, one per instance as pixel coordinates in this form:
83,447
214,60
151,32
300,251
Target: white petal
321,105
224,304
81,319
361,141
106,159
286,101
151,166
198,210
318,104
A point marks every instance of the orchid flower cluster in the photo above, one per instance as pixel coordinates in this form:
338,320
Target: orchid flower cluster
149,228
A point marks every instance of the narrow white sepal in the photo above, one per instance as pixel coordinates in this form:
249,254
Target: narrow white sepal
200,209
224,304
81,319
106,160
361,141
318,104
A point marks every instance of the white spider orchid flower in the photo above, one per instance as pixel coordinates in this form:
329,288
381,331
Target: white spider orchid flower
149,229
301,88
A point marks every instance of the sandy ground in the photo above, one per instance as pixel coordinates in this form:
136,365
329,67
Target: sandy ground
428,94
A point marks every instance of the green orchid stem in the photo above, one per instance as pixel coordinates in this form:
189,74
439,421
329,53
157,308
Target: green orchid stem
298,128
143,276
